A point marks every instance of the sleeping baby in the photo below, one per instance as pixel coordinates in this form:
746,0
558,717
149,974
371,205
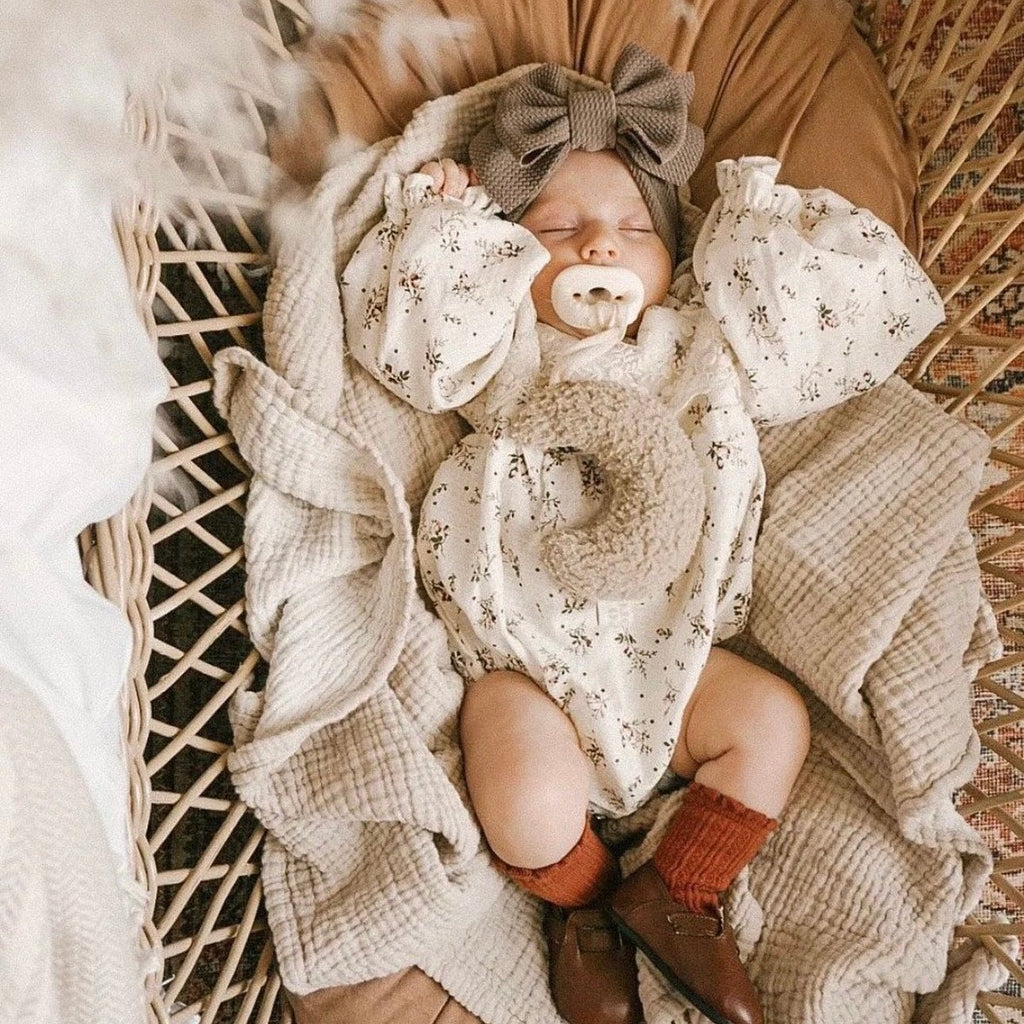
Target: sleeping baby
546,269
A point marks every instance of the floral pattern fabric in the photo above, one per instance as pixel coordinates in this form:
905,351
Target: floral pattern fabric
796,301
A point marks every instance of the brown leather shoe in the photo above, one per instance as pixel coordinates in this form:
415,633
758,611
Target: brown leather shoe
696,953
592,968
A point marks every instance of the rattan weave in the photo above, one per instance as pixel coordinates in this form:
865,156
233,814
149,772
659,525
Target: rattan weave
176,566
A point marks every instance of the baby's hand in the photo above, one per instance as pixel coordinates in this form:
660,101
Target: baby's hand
450,179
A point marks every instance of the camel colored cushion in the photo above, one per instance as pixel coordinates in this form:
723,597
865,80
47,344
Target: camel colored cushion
784,78
408,996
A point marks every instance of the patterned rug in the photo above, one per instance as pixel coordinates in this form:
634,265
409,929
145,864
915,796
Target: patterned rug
987,351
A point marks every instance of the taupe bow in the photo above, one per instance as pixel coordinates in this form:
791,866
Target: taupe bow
544,115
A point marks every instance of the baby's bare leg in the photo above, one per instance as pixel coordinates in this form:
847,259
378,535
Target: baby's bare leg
528,780
529,783
745,733
743,739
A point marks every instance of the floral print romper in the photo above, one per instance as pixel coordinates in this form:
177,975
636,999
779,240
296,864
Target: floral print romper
795,301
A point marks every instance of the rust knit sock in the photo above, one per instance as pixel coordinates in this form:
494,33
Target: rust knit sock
710,839
583,876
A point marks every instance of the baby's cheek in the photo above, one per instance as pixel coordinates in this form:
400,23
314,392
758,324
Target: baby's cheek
540,292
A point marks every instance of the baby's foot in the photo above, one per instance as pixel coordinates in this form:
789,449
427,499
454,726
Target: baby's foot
592,968
695,952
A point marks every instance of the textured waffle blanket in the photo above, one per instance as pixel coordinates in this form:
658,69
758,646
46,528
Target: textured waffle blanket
866,588
67,946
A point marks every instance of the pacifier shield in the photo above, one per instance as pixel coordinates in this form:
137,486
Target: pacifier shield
594,298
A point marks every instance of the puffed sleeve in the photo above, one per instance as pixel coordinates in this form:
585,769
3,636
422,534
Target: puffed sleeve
431,293
817,299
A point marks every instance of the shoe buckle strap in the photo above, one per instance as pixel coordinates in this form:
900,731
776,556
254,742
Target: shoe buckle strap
597,939
697,924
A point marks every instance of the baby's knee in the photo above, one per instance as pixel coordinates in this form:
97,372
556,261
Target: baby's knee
783,716
753,710
528,780
536,818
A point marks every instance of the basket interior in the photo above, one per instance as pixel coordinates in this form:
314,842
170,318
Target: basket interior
955,68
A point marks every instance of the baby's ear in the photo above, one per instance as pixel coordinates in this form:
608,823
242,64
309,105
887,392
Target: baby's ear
474,178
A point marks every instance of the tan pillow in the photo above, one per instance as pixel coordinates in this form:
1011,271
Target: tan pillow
787,78
408,996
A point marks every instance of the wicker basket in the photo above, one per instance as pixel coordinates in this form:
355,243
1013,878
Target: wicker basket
955,68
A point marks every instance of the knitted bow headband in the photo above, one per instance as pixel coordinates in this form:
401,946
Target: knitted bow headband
641,115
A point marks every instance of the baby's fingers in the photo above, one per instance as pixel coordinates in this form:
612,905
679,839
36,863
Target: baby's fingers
436,172
456,178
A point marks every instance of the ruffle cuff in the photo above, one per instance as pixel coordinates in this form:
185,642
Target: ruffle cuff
750,183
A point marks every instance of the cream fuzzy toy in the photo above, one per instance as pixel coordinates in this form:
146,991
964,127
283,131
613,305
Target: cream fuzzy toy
646,533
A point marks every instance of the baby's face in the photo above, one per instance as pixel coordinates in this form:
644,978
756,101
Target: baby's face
592,212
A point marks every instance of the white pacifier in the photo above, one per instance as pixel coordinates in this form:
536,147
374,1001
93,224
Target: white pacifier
595,298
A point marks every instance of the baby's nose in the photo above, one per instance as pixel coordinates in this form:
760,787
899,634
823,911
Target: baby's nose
597,252
600,244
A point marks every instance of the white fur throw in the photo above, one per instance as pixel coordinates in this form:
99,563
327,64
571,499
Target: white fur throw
866,586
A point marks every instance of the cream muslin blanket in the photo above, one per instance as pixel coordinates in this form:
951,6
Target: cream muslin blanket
867,589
